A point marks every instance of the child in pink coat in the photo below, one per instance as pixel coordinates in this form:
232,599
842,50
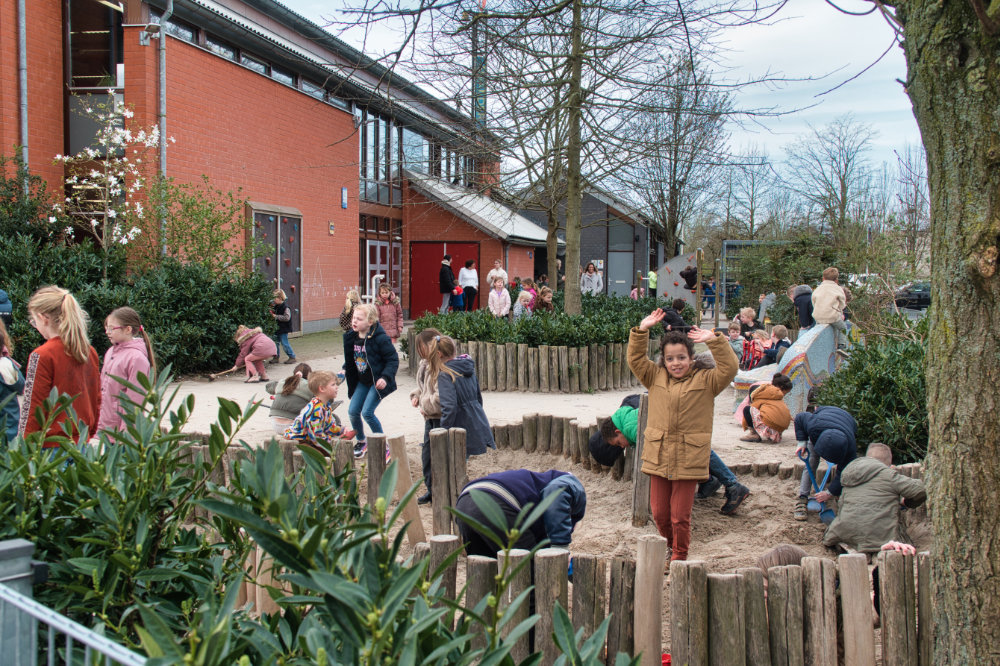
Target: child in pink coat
390,312
255,349
131,353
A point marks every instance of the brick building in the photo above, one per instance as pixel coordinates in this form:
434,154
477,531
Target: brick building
259,98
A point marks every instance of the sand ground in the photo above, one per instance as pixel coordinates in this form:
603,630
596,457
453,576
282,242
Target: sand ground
724,542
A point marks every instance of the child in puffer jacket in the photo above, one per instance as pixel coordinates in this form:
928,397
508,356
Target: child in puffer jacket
255,349
390,312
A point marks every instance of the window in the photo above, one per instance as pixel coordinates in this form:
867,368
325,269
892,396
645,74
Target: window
95,45
175,27
311,89
256,65
414,151
220,48
282,75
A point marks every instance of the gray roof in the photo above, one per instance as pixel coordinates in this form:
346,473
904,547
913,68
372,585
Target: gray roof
478,210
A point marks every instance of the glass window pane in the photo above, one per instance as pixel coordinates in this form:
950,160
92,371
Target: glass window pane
620,235
95,44
370,154
220,48
284,76
311,89
256,65
180,30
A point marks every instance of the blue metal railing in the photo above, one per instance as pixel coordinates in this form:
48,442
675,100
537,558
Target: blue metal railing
68,642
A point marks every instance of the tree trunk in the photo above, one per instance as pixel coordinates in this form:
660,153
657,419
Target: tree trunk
954,85
574,179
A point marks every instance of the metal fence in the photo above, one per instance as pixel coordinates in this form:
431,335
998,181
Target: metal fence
64,641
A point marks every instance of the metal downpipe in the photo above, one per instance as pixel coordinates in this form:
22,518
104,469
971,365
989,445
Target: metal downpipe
22,80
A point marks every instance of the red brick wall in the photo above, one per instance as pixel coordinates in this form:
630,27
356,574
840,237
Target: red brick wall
45,87
244,130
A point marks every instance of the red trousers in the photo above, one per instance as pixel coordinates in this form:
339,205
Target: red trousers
671,502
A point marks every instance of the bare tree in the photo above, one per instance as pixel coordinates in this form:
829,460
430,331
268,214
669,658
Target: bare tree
912,200
829,169
754,182
681,141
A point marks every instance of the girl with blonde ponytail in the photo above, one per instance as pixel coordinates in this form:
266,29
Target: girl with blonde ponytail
65,362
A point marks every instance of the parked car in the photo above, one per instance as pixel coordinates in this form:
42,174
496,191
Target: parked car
915,296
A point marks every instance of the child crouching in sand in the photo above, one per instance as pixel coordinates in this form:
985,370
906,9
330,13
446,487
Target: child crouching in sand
678,435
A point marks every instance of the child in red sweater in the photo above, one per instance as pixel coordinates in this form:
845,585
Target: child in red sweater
65,362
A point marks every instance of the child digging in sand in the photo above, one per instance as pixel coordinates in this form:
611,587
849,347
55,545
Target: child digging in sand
255,349
678,435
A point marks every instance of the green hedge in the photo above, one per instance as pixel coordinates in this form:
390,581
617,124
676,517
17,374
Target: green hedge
605,319
883,387
190,313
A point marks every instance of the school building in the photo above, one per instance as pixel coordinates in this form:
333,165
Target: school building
350,172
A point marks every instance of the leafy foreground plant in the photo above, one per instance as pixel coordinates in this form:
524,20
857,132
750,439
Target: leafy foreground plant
131,556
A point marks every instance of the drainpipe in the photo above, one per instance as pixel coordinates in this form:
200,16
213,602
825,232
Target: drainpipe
163,110
22,71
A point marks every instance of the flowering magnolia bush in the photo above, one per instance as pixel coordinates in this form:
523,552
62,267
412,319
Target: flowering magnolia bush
106,181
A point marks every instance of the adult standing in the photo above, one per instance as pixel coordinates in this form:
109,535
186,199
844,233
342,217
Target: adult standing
497,272
468,280
590,281
651,278
446,280
801,296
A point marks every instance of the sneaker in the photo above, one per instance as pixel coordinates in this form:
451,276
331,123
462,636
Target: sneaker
360,448
290,361
272,360
424,499
801,512
708,488
734,497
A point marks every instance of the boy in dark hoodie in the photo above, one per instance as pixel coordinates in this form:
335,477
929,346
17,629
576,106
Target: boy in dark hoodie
801,297
6,309
829,433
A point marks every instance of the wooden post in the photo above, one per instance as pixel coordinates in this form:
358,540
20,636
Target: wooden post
569,439
584,353
522,367
640,490
533,379
544,432
582,443
474,354
415,527
551,565
422,551
266,576
413,357
784,613
898,609
490,352
457,475
574,443
759,469
602,367
594,465
518,584
529,431
511,366
726,619
343,460
554,370
619,362
574,369
594,382
376,466
856,610
480,582
515,436
623,371
564,385
648,615
785,470
925,611
443,545
441,477
688,612
758,647
589,592
500,437
819,579
543,369
502,367
621,607
556,436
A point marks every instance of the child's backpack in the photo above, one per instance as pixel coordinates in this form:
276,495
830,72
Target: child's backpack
752,355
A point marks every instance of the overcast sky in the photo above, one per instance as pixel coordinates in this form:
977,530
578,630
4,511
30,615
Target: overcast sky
808,38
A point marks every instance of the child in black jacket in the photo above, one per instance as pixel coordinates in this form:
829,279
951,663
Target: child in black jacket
370,365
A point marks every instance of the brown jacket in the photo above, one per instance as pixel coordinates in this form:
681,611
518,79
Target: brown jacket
426,394
829,302
678,435
390,315
771,402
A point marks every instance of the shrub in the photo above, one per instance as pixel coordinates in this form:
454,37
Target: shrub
883,387
605,319
190,312
783,312
24,210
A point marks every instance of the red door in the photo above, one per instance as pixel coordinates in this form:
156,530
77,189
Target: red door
425,267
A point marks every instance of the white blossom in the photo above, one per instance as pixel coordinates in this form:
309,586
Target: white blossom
52,219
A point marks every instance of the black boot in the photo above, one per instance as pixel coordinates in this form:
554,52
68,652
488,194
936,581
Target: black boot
735,495
424,499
